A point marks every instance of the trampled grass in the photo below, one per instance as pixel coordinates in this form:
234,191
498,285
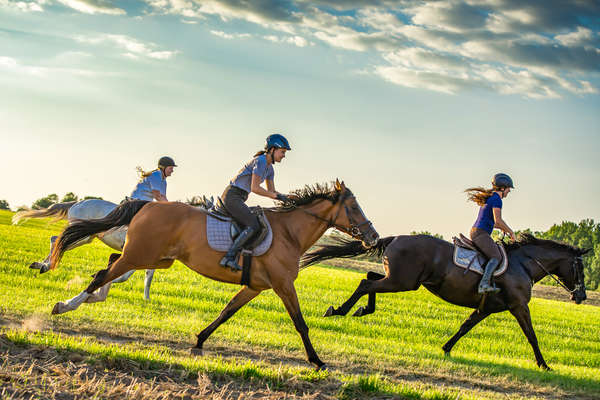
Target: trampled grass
395,352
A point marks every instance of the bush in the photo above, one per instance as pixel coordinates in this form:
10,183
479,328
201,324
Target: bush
4,205
69,197
45,202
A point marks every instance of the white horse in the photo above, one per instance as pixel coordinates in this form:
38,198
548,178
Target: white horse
85,209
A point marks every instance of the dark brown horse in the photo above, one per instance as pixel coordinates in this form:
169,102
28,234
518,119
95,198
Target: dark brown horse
161,232
412,261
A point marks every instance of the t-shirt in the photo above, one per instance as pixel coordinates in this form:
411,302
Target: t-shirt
144,188
485,219
257,166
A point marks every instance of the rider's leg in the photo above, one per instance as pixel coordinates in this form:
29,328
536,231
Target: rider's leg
234,201
487,245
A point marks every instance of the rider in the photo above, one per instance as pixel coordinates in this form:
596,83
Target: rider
490,217
249,179
153,184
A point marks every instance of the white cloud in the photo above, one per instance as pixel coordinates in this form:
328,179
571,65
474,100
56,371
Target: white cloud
230,36
133,47
576,38
93,7
295,40
25,6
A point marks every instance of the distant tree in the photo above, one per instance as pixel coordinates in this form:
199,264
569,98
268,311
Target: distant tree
23,208
69,197
45,202
4,205
435,235
92,197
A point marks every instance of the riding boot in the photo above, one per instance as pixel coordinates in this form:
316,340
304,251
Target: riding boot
484,285
230,258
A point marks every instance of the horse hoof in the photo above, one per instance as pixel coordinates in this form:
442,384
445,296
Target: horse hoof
322,367
329,312
195,351
44,268
358,312
446,353
545,367
35,265
58,308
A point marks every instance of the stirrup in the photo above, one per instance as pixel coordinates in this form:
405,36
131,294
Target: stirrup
488,289
231,263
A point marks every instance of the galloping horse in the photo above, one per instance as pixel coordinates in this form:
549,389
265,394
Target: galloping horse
161,232
412,261
83,210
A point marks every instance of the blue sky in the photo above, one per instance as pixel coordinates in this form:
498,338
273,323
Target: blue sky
408,102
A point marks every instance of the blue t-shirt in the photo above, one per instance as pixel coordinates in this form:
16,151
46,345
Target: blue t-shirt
257,166
144,188
485,219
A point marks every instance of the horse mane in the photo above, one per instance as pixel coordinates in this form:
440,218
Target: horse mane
528,239
307,195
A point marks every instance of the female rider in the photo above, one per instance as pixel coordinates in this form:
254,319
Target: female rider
490,217
153,184
249,179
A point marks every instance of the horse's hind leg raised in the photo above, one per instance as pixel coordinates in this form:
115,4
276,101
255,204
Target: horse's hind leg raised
375,283
44,266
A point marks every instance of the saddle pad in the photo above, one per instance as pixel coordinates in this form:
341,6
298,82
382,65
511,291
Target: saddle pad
218,234
474,260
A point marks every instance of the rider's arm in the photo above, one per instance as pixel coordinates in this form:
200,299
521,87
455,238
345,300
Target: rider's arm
259,190
500,224
271,185
158,196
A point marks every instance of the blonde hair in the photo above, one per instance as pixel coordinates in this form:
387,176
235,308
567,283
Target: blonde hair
480,195
144,174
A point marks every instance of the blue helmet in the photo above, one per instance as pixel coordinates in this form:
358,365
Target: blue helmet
502,180
277,141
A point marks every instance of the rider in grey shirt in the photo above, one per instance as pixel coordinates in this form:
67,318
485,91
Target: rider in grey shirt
249,179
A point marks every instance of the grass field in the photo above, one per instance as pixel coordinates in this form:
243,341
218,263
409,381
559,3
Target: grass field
129,348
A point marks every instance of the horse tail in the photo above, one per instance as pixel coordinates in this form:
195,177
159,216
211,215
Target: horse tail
343,248
80,229
58,211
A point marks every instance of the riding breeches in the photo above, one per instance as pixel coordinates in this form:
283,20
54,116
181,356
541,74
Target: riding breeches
485,243
234,200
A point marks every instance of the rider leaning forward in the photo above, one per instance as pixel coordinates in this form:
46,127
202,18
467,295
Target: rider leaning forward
490,217
249,179
153,184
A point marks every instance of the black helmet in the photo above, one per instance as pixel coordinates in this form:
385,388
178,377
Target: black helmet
502,180
277,141
166,162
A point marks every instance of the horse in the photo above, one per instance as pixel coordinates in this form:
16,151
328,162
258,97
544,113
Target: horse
415,260
161,232
83,210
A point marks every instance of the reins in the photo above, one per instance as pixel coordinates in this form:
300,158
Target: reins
577,285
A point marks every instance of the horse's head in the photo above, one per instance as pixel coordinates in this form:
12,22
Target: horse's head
352,220
562,260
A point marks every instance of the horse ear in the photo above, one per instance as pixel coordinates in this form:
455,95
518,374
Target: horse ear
343,186
338,186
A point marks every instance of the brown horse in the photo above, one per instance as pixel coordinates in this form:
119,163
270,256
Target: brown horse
161,232
412,261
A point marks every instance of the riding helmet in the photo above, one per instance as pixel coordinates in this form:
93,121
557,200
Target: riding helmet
166,162
277,141
502,180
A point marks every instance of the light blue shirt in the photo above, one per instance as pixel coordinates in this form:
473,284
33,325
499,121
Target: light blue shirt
144,188
257,166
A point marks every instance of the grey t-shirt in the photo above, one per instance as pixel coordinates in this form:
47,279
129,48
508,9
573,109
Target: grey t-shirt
257,166
144,188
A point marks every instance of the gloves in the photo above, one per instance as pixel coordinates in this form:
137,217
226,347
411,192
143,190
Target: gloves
282,197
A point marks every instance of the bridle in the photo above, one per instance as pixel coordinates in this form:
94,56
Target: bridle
354,229
579,285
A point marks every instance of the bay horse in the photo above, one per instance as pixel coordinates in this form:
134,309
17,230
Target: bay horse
161,232
415,260
79,210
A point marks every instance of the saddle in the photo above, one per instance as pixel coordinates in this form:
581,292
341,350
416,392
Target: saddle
469,257
222,229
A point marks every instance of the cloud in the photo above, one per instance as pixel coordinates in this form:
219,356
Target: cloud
134,49
93,6
295,40
230,36
25,6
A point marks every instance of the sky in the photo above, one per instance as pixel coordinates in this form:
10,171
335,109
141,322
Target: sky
408,102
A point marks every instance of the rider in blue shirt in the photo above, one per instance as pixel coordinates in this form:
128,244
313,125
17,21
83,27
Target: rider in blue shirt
249,179
153,184
490,217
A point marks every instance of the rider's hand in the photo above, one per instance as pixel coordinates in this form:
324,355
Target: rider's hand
282,197
513,236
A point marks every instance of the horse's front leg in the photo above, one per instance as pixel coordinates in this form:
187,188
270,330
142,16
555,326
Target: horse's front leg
521,313
475,318
147,283
287,293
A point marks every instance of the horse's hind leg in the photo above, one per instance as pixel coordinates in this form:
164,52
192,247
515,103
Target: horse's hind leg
475,318
370,308
238,301
147,283
366,286
102,293
44,266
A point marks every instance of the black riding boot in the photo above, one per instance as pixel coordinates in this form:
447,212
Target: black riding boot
230,258
484,285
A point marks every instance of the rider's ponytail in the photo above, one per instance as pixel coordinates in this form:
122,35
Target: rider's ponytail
260,153
479,195
144,174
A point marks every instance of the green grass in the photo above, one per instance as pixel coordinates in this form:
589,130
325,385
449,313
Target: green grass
371,354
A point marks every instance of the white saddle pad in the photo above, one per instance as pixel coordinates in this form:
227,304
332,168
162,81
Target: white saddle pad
218,234
474,261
